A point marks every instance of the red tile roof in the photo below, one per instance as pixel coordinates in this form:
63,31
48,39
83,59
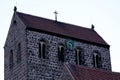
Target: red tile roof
63,29
85,73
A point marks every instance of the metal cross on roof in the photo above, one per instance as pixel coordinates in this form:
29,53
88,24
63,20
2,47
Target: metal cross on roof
56,15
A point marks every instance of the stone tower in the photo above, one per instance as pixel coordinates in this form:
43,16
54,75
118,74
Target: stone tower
36,48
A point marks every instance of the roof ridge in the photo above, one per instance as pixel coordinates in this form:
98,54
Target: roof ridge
54,20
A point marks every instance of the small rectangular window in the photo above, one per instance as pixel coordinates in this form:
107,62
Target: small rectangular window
61,53
42,50
11,59
97,60
19,53
79,55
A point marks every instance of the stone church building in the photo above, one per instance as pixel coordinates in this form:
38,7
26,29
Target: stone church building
37,48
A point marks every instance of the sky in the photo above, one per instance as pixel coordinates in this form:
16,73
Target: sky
103,14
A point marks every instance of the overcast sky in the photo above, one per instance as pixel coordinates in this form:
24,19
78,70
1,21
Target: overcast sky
104,14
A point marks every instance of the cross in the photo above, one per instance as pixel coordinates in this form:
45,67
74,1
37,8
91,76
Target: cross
56,15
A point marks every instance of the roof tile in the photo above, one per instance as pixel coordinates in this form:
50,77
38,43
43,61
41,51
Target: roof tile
86,73
60,28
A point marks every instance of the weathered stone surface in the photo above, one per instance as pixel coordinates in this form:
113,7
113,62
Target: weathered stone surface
15,36
51,68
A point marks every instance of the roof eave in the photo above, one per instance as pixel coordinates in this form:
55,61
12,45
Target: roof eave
85,41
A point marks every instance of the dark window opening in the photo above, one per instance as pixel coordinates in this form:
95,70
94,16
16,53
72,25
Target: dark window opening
14,22
97,61
42,50
61,53
94,61
79,58
19,53
11,59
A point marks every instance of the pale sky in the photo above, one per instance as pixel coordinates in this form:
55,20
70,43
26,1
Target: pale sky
104,14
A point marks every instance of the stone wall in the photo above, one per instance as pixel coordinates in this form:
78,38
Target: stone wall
16,35
50,68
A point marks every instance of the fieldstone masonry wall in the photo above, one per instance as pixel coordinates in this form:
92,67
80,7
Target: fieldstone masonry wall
50,68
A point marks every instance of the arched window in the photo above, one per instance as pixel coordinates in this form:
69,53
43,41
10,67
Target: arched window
61,53
19,53
42,49
79,56
97,60
11,59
